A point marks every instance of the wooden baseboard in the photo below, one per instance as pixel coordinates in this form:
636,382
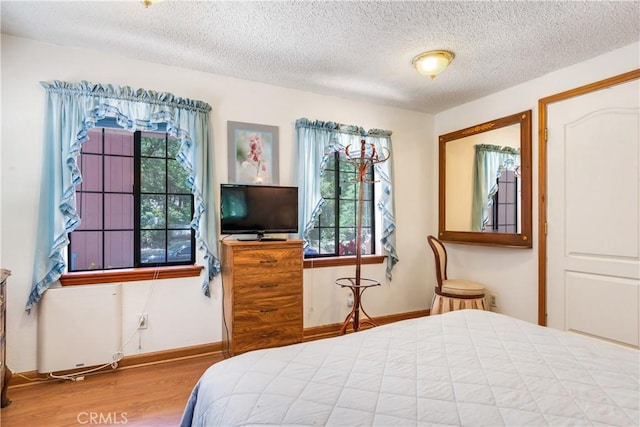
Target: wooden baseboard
212,349
333,330
171,355
127,362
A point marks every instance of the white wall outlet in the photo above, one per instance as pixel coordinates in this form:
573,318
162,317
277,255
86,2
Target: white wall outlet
143,321
493,302
350,300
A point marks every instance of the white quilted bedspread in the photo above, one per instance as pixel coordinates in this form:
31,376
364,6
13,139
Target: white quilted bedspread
466,367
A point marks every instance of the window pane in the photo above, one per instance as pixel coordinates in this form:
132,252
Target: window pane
502,192
174,147
179,246
348,188
152,244
118,174
314,243
327,245
502,213
85,250
346,165
179,211
328,214
89,207
367,241
511,215
152,176
331,163
94,143
118,211
347,241
178,237
367,215
118,142
348,213
91,168
152,211
118,249
153,144
177,178
512,192
328,186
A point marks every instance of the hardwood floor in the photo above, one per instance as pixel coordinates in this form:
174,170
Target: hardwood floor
153,395
141,396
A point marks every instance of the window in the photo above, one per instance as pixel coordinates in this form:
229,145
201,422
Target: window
502,213
334,232
134,203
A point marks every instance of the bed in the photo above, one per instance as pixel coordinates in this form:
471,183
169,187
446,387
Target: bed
467,367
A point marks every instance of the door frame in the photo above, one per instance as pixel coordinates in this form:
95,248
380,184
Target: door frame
543,103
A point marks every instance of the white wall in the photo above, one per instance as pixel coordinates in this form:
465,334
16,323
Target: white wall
179,315
513,273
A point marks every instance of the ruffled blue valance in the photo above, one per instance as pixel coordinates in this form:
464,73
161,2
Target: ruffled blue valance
330,127
317,140
72,109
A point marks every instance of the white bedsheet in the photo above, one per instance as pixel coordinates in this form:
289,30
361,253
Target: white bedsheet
466,367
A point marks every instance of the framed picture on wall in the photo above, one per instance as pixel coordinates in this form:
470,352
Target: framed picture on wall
253,153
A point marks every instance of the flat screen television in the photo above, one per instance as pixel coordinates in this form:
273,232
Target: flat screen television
258,209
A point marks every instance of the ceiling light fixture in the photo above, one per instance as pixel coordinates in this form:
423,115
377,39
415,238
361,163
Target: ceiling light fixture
148,3
433,62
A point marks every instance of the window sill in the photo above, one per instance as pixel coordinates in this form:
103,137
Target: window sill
129,275
343,260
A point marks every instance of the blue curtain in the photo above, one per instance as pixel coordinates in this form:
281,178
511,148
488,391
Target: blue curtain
73,108
490,161
384,172
317,141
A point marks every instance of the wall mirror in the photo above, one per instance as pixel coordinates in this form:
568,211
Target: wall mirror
485,183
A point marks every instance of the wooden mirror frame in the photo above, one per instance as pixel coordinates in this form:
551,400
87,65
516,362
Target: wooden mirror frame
516,240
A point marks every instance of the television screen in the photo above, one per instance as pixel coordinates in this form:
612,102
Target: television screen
258,209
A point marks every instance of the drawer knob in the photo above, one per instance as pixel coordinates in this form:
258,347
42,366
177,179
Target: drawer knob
271,285
268,261
267,310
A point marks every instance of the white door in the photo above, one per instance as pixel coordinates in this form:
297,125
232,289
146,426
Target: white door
593,214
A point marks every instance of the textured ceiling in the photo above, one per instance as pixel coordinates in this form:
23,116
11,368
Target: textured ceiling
354,49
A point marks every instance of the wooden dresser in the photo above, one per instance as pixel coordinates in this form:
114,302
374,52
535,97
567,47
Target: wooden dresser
5,373
262,283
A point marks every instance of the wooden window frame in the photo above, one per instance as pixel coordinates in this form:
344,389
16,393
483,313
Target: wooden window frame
129,274
333,259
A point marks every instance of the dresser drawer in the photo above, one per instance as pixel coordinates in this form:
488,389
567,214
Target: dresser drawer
268,285
260,262
267,312
267,336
